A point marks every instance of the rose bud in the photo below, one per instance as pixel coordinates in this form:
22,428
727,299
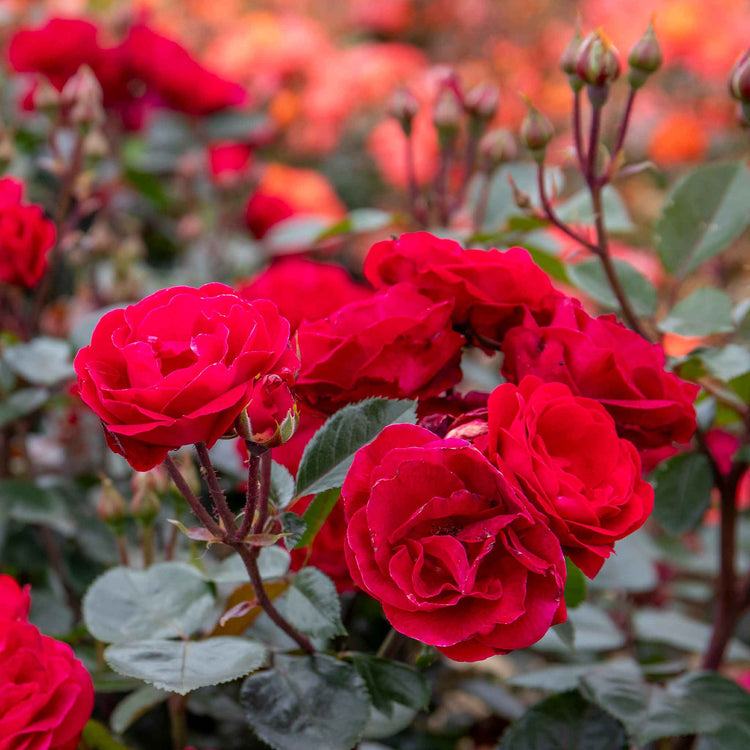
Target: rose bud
482,101
495,148
46,97
644,59
145,506
82,95
403,107
447,114
111,507
536,132
569,58
739,79
271,417
598,64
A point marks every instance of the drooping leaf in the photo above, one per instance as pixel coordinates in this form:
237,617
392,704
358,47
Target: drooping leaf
704,312
312,605
282,486
167,600
589,277
329,454
565,722
316,514
575,585
704,213
312,702
682,492
184,666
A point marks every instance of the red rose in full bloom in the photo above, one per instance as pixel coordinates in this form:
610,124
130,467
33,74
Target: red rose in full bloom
601,359
397,344
26,237
303,289
46,694
567,458
492,290
178,367
179,80
454,553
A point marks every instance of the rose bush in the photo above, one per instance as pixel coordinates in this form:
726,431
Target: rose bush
455,554
599,358
26,237
179,367
46,694
398,344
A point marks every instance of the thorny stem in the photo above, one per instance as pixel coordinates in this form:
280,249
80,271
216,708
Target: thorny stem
217,494
577,137
252,493
620,142
177,705
265,488
195,504
593,152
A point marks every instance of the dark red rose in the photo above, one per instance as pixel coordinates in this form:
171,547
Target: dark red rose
15,601
263,211
272,413
454,553
179,80
178,367
599,358
564,453
26,237
46,694
492,290
303,289
397,344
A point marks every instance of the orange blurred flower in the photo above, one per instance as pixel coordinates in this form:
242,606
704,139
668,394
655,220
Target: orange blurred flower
679,137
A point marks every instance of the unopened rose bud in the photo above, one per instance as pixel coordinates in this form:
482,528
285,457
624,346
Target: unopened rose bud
495,148
145,507
569,58
111,507
536,132
482,101
82,97
644,59
447,115
46,97
271,417
95,145
598,63
403,107
739,79
154,480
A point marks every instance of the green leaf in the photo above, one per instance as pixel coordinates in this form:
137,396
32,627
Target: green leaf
234,125
295,234
96,737
184,666
682,492
273,562
732,361
329,454
575,585
359,220
558,679
704,312
579,210
704,213
167,600
589,277
43,361
294,528
565,722
682,632
312,605
316,514
594,631
26,502
135,705
697,703
389,683
311,702
282,486
21,403
632,567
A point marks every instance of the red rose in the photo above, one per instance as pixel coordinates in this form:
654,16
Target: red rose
14,600
228,163
601,359
46,694
492,290
178,367
178,79
397,344
303,289
454,553
567,458
26,237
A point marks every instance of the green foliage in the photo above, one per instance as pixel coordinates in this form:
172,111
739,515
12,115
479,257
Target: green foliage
29,503
312,605
43,361
578,210
575,585
316,514
315,702
329,454
704,213
704,312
